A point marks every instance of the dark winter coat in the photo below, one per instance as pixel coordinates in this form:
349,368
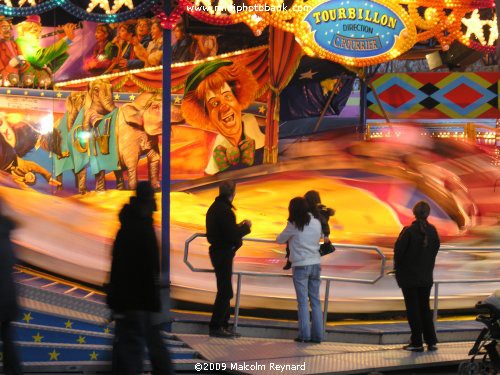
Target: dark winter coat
323,214
414,262
135,270
223,233
8,302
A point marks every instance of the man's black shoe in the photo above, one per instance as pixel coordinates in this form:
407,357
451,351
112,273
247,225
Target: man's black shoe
222,333
231,330
413,348
298,339
432,348
288,265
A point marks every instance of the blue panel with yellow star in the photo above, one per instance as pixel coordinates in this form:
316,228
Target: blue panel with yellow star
37,333
39,318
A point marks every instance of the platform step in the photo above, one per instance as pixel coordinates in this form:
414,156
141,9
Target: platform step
48,334
61,321
26,277
53,352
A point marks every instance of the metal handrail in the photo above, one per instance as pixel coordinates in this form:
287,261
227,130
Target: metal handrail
460,281
328,279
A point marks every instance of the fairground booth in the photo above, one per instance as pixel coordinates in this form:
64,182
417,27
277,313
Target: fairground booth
375,104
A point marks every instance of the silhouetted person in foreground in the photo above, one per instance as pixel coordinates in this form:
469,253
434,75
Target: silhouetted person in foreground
414,257
134,290
225,238
8,299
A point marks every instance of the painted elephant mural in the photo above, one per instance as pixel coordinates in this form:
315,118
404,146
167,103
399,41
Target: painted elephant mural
16,141
106,138
59,142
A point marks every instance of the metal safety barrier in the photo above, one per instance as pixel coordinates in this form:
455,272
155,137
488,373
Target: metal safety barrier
460,281
328,279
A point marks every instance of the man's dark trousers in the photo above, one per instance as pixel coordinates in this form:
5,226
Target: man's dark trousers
223,266
419,315
133,332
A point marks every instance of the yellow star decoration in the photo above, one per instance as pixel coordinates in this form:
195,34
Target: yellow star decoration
9,91
107,330
474,26
104,4
93,356
54,355
262,109
59,94
117,96
42,94
119,3
81,340
132,97
37,337
25,93
31,2
493,31
177,100
27,317
69,324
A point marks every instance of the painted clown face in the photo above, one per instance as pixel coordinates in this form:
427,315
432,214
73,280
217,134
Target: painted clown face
6,30
224,112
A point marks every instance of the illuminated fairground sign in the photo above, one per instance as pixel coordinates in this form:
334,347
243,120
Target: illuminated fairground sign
356,30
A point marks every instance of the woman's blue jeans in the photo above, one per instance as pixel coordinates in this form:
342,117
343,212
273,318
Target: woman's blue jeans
306,280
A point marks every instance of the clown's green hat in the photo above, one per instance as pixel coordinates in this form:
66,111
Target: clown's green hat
202,71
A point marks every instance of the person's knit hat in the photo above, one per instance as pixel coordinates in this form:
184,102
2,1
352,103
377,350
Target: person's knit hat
201,72
34,18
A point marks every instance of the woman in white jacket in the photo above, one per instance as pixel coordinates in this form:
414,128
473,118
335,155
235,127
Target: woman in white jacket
303,233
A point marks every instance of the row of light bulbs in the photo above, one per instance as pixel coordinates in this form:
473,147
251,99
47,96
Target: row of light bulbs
442,19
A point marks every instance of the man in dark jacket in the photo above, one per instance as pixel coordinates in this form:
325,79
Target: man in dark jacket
134,292
225,237
8,300
414,258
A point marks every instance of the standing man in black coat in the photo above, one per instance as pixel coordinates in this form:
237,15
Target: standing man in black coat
134,290
8,300
414,258
225,237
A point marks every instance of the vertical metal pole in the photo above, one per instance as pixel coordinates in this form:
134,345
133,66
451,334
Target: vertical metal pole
436,297
362,105
325,307
165,170
237,302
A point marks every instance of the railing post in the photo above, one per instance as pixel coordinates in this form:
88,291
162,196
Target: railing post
237,302
436,297
325,308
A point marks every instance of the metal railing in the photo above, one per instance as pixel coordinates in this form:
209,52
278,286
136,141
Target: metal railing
328,279
460,281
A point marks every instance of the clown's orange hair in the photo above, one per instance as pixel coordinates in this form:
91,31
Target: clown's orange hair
238,77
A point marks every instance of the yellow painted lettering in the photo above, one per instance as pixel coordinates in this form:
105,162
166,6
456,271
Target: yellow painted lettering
367,16
342,14
324,16
384,19
352,13
392,22
316,17
375,18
